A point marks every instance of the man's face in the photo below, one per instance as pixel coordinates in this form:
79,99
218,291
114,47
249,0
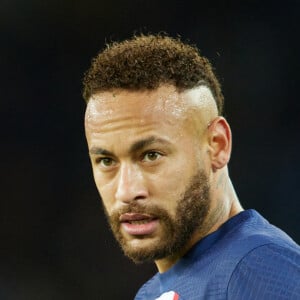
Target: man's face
151,168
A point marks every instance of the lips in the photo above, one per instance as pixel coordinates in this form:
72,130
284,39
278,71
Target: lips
138,224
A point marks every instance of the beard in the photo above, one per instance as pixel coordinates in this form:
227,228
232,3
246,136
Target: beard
190,216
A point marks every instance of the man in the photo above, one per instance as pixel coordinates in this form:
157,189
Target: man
159,149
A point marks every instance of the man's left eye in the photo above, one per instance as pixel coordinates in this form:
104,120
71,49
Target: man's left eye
151,156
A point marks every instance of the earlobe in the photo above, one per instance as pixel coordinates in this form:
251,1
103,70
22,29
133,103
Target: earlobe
219,142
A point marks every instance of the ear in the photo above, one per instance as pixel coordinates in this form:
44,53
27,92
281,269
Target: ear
219,139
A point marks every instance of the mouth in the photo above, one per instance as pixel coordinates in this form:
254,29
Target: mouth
138,224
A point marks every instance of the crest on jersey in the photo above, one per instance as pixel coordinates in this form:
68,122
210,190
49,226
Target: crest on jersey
169,296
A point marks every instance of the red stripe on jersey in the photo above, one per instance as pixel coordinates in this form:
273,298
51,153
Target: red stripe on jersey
176,297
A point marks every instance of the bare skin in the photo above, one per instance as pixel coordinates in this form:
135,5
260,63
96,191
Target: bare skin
223,212
145,146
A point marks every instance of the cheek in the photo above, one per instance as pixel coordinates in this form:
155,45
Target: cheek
107,200
105,191
168,187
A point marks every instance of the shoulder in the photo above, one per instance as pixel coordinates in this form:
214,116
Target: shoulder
251,232
269,271
150,289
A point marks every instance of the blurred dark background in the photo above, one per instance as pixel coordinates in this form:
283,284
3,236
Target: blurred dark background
55,243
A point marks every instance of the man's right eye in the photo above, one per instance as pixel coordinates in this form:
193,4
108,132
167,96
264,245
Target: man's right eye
105,162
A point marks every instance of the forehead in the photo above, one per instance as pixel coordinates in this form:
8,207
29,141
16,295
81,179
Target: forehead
165,102
138,104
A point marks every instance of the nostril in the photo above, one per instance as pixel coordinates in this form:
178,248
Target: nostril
140,197
129,193
141,194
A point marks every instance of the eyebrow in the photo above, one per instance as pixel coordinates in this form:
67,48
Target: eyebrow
99,151
137,146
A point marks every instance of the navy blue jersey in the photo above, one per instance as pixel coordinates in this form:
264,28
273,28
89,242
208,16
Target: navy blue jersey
246,258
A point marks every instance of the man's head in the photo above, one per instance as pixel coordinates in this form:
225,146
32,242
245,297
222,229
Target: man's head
146,62
156,144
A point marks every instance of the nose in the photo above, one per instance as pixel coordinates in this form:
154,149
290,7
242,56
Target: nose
130,184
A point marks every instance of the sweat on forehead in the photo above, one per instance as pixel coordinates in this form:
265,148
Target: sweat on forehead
195,106
164,98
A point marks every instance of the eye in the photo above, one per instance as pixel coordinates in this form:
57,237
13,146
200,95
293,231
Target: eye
151,156
105,162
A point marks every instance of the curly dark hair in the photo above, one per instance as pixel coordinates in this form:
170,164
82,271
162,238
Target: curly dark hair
147,61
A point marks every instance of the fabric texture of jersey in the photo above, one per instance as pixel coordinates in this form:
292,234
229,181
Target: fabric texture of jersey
246,258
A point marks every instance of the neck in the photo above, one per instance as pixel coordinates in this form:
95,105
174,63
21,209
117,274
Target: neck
224,205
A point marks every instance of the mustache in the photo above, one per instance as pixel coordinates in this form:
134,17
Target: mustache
138,208
148,209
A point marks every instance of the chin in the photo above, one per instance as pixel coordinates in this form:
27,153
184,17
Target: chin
148,249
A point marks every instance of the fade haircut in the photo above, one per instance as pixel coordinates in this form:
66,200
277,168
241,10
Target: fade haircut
148,61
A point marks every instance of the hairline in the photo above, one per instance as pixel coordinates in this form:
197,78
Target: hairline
179,90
